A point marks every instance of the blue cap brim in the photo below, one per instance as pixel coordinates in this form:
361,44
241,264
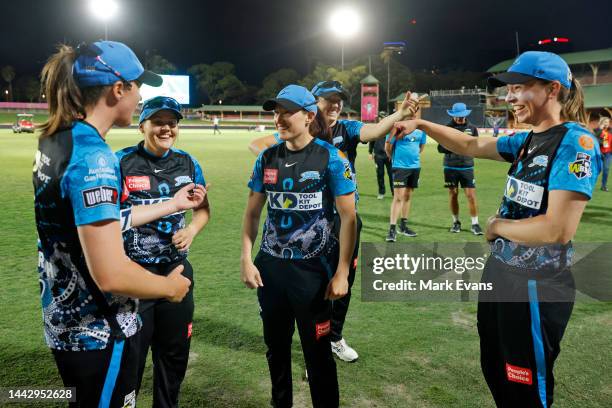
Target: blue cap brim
152,112
461,114
510,78
291,106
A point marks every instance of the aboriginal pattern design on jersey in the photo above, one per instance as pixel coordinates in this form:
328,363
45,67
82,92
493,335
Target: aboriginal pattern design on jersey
300,188
150,180
564,157
76,183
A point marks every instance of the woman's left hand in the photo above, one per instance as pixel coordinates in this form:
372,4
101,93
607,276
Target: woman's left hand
490,234
183,238
336,288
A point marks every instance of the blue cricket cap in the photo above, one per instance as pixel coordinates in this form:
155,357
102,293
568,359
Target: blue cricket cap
535,64
459,110
326,88
151,106
105,62
293,98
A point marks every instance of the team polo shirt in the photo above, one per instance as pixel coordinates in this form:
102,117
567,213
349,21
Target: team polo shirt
148,179
300,187
564,157
406,152
76,182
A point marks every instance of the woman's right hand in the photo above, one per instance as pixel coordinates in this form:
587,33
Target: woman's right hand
190,196
403,128
179,284
249,274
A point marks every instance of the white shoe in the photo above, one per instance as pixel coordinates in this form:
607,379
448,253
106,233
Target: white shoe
380,196
344,351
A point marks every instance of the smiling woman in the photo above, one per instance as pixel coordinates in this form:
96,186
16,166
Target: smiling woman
154,172
553,172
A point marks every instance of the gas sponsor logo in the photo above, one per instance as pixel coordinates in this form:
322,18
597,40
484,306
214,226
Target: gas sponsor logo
581,167
519,374
270,176
138,183
586,142
94,197
295,201
527,194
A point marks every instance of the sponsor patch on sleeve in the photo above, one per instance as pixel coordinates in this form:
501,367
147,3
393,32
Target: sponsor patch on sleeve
519,374
101,195
581,167
586,142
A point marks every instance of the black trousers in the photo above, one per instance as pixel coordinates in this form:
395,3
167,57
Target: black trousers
103,378
294,291
381,164
519,341
166,329
340,306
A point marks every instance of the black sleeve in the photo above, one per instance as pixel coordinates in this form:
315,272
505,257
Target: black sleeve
474,131
371,147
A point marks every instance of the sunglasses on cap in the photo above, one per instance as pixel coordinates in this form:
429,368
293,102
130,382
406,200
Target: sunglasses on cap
162,102
92,50
329,84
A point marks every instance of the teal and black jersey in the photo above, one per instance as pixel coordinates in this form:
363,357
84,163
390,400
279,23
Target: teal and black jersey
300,187
148,179
345,137
76,182
565,157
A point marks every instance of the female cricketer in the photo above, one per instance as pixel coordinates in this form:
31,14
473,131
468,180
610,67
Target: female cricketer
302,178
151,172
88,285
553,172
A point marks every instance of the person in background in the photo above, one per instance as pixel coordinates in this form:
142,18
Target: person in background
216,122
459,170
405,156
382,161
604,135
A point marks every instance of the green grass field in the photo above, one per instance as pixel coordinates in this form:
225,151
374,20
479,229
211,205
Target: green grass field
411,354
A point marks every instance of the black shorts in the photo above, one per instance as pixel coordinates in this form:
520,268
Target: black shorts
406,178
453,178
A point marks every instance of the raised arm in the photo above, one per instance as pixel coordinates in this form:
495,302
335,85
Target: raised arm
452,139
261,143
373,131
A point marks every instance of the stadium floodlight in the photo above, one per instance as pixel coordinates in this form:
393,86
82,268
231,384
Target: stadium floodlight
344,23
104,10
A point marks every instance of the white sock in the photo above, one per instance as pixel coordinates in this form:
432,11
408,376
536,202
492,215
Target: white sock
455,217
475,220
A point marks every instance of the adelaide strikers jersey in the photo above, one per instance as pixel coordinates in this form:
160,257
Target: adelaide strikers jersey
345,137
406,152
76,182
565,157
148,179
300,188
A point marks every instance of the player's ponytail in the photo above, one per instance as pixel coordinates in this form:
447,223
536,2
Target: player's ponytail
66,100
572,102
319,128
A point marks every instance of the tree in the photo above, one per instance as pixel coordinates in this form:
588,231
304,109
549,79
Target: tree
349,78
27,88
208,79
8,74
159,64
276,81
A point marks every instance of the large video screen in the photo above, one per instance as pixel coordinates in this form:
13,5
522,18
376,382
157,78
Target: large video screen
176,86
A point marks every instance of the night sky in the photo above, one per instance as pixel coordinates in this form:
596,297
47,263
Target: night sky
262,36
